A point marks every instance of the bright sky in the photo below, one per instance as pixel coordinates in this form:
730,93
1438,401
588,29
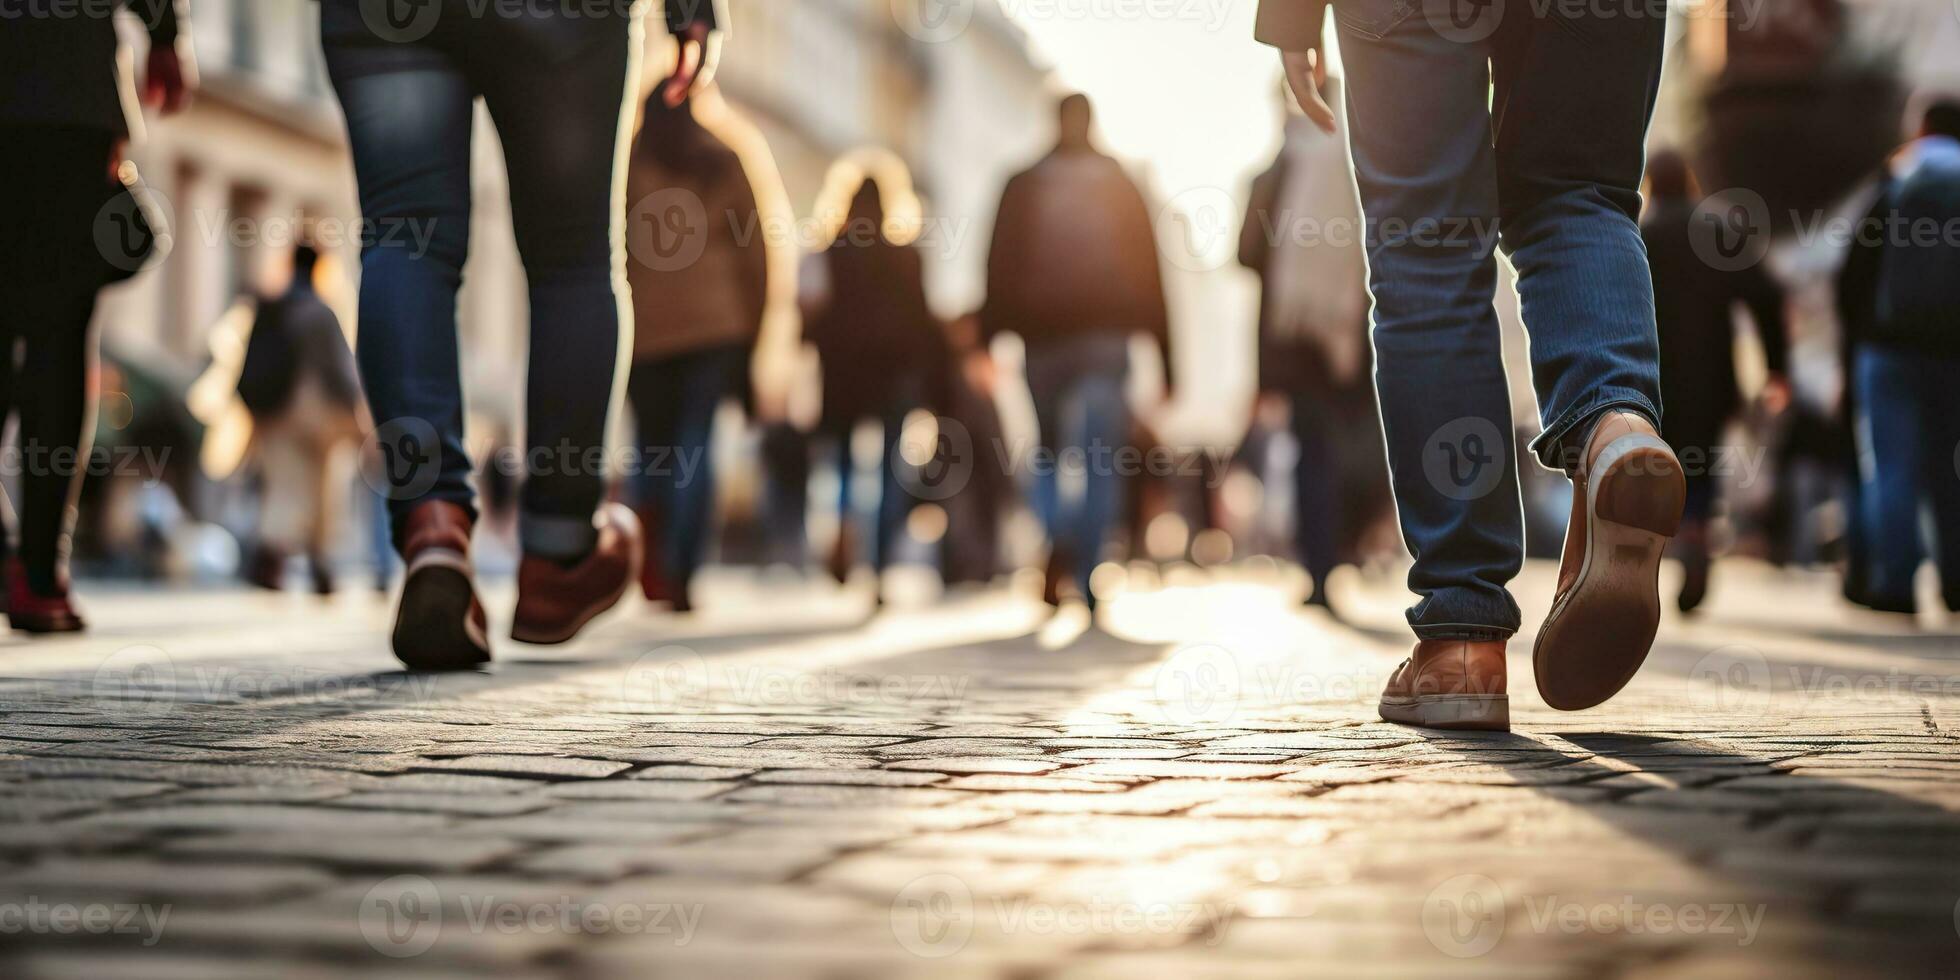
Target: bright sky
1180,86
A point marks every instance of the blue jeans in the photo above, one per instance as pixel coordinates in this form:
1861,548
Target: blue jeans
1908,425
554,84
1530,137
1077,386
674,401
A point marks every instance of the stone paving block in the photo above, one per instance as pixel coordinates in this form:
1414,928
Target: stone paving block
957,765
397,851
543,767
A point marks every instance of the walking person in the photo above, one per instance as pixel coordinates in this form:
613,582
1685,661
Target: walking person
1694,306
697,313
1313,321
1073,269
556,83
1905,369
72,225
1528,125
298,381
880,349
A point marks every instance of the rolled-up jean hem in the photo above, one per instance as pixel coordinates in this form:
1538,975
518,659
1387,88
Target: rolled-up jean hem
1463,631
556,535
1551,446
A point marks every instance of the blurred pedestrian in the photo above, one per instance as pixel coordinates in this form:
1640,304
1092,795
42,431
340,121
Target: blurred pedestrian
695,324
971,554
1073,270
881,350
1905,363
1694,307
298,380
1302,235
1535,117
73,224
555,81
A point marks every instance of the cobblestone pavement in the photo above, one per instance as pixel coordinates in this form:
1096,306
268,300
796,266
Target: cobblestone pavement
219,784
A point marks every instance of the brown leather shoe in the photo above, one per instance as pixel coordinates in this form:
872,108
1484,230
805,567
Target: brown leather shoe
33,612
1626,503
440,625
1450,684
555,601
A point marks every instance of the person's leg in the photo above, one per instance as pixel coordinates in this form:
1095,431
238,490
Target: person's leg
57,427
1574,93
703,385
410,135
651,393
562,130
1936,398
1316,489
1419,133
1100,424
1891,440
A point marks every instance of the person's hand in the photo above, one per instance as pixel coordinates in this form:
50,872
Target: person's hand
1776,394
1306,72
166,80
690,66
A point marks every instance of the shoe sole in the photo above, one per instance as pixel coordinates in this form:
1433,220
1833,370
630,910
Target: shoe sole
1598,635
1460,712
433,626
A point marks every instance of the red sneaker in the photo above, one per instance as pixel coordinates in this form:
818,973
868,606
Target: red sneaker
31,612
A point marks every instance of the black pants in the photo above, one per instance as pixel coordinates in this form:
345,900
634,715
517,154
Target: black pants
53,184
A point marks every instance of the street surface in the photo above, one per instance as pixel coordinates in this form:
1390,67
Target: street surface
217,784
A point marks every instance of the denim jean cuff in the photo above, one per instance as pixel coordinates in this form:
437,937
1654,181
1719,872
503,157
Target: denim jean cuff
1463,631
556,535
1561,444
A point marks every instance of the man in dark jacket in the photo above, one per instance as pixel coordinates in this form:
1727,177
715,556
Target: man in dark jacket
1073,270
299,383
1905,364
1694,306
69,228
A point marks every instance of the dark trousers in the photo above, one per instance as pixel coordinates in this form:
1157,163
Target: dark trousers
553,83
53,184
1317,505
1908,425
674,401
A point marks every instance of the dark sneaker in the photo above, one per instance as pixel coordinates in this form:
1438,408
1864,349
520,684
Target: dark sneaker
32,612
555,600
1626,503
1450,684
440,624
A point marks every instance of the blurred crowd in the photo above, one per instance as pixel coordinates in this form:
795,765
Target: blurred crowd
806,406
